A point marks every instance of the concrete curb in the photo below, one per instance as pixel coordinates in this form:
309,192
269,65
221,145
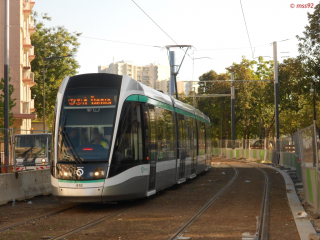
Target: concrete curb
28,185
304,225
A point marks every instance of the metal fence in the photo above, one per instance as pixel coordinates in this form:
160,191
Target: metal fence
306,143
8,163
239,143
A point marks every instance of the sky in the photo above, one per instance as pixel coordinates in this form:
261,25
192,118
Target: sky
215,29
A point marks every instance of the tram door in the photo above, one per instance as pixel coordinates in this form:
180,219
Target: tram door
193,145
152,141
189,145
182,146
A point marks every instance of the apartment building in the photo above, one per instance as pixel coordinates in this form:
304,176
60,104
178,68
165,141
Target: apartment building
21,53
183,86
148,74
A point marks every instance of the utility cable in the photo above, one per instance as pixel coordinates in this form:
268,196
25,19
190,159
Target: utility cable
159,27
139,44
247,29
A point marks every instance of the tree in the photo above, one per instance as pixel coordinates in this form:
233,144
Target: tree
11,103
309,49
215,107
51,42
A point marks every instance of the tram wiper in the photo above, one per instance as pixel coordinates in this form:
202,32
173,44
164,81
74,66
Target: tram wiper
72,150
26,153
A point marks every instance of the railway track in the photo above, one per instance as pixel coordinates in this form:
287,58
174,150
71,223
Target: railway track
88,225
37,218
186,225
263,226
179,232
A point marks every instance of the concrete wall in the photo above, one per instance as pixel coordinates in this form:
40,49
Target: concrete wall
28,185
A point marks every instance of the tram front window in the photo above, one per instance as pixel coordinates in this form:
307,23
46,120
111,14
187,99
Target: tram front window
31,146
86,125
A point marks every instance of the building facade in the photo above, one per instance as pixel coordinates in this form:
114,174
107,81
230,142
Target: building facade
21,53
148,74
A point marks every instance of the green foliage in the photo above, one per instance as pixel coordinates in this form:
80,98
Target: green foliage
11,103
51,42
255,99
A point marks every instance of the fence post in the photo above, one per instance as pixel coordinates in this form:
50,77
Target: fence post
316,163
13,144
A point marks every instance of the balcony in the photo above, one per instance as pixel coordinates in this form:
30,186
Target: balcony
26,107
28,79
27,6
32,108
31,55
26,43
26,63
31,26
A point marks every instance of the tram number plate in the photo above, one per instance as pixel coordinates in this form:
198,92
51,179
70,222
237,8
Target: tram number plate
79,185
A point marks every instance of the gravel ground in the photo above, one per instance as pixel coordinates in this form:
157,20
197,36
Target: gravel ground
231,215
235,212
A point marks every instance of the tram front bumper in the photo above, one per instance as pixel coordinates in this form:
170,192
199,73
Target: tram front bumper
78,194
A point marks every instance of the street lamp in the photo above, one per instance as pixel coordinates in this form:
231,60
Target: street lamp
313,90
44,94
193,65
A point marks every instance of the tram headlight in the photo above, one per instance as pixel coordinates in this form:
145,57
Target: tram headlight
65,174
96,173
43,160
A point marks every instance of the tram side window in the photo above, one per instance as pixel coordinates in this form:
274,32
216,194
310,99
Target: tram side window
128,149
170,135
182,134
208,141
152,133
201,137
189,136
161,133
195,138
165,134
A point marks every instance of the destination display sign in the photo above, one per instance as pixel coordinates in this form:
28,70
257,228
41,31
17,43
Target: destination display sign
89,101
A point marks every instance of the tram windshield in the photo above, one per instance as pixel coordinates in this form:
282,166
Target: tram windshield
32,145
86,124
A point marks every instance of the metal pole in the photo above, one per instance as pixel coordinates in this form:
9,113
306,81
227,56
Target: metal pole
193,67
6,82
276,93
175,85
221,129
194,99
44,103
316,163
314,103
172,70
232,111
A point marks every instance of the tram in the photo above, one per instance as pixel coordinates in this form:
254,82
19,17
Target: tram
32,151
116,139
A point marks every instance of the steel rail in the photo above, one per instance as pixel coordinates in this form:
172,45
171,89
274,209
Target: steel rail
263,228
36,218
179,232
264,216
88,225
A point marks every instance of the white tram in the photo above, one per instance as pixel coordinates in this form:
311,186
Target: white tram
116,139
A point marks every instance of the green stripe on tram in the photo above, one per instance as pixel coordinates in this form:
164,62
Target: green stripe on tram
184,112
145,99
79,181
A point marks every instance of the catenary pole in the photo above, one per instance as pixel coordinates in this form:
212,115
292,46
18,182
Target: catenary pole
44,97
276,93
172,70
232,110
6,82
